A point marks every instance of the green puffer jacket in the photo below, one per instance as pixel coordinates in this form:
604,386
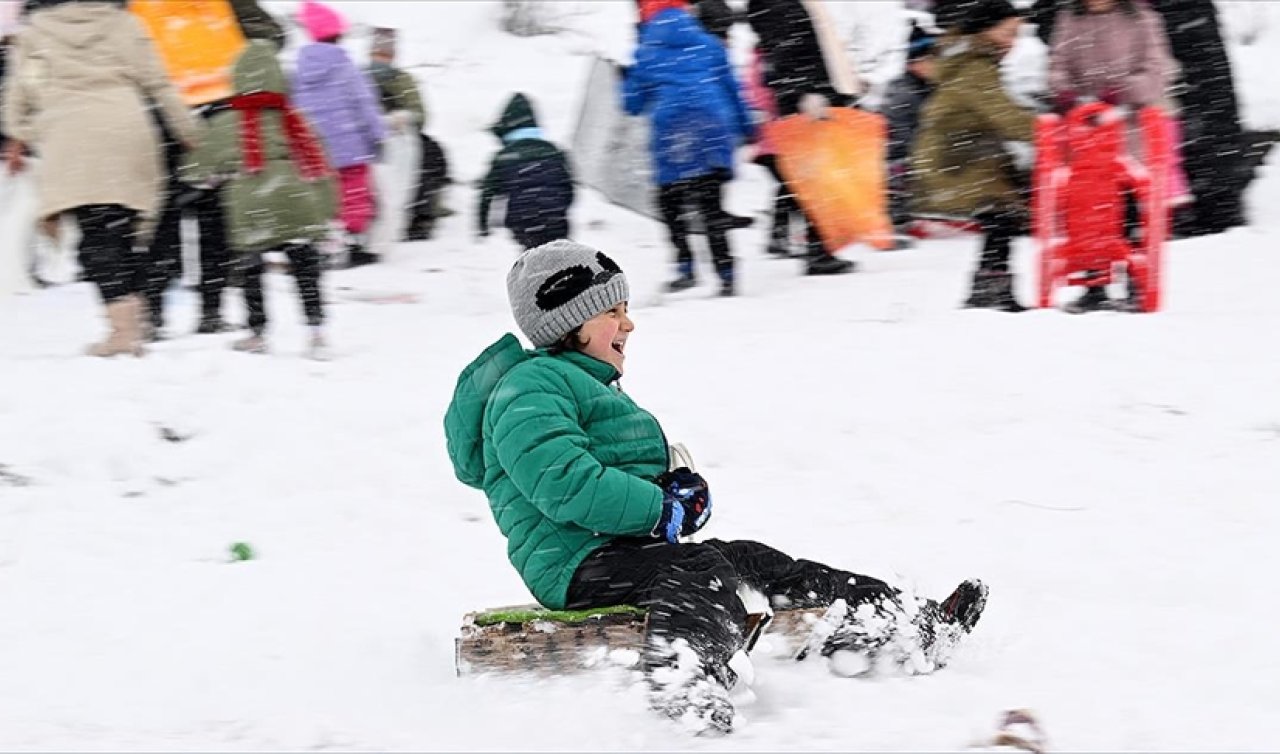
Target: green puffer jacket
275,206
398,91
959,161
567,460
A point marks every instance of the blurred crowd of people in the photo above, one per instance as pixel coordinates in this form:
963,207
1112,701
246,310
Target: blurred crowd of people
142,112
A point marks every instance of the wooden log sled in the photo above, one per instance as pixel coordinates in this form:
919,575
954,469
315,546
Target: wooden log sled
533,640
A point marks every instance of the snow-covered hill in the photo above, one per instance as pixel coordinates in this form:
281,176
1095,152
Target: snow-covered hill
1112,477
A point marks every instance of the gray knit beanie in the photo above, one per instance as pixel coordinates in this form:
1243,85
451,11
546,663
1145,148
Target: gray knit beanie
556,287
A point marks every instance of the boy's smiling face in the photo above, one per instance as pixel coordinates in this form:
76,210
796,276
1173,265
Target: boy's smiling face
604,336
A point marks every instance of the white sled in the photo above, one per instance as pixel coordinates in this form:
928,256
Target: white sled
17,230
395,182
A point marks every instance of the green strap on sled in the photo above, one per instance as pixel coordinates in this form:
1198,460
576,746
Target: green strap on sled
519,615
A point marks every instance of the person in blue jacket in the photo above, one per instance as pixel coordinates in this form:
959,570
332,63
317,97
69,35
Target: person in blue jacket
682,80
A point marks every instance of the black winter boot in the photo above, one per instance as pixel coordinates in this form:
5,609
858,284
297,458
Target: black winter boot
779,240
993,289
964,606
682,283
685,278
727,284
358,257
825,264
420,229
682,688
211,324
1094,300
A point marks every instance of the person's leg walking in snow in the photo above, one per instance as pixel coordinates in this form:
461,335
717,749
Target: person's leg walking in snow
110,262
673,202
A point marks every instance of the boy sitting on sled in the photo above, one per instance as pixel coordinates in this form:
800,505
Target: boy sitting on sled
577,476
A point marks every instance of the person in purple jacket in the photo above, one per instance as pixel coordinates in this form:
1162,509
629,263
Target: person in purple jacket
338,98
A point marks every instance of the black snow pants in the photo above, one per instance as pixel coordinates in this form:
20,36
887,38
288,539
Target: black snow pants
305,262
999,228
785,205
107,253
701,196
691,589
433,176
165,259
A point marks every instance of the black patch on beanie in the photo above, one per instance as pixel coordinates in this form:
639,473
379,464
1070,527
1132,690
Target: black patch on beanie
563,287
607,263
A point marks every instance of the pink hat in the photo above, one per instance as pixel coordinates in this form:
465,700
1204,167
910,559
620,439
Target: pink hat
321,21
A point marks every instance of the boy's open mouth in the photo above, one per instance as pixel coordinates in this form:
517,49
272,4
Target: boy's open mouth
619,345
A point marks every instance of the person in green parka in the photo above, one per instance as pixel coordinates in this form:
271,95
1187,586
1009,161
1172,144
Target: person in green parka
594,504
279,190
960,162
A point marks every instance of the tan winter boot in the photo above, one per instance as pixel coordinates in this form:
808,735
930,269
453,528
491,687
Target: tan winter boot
254,342
124,317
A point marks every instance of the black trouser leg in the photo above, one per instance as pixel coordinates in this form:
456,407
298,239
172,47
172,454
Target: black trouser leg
789,582
785,203
999,228
253,267
164,258
433,174
672,201
708,197
215,256
305,260
689,589
107,255
899,195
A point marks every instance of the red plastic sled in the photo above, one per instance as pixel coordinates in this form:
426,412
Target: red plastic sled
1083,171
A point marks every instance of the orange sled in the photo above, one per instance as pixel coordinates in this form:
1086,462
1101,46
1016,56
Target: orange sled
198,40
836,167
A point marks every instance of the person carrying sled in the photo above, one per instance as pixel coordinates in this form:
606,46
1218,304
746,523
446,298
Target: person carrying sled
960,164
1214,151
198,42
580,481
789,75
82,77
338,98
682,81
280,191
1112,51
404,112
531,174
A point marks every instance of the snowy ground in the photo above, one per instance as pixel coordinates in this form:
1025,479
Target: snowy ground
1112,477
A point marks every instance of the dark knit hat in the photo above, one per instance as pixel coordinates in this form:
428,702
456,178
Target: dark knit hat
921,44
556,287
985,14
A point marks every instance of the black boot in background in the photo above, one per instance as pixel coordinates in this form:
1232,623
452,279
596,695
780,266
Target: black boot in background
993,289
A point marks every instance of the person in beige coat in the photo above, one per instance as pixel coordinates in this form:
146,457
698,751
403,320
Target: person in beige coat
82,77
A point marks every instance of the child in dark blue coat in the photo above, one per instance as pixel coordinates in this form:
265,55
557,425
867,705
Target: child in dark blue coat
532,174
682,80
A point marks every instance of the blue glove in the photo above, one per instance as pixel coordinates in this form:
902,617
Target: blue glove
671,521
686,504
